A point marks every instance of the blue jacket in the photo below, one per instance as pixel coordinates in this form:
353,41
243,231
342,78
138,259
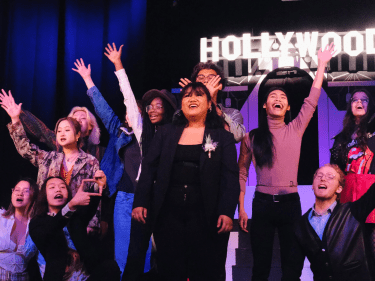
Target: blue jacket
111,163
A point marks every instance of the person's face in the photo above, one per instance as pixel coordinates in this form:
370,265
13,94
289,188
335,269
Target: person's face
65,134
326,183
81,117
359,104
21,195
195,104
206,75
155,110
57,193
276,104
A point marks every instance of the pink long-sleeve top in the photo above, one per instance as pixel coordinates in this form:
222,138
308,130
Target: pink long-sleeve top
281,178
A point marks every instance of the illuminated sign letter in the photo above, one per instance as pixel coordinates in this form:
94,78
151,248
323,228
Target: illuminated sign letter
336,40
236,47
266,46
307,45
370,48
246,46
348,43
214,49
284,42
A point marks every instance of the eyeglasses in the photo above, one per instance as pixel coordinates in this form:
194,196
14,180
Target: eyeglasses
363,101
156,107
202,78
19,191
327,176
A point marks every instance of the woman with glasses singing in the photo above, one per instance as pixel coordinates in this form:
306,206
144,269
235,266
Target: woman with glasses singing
353,150
16,246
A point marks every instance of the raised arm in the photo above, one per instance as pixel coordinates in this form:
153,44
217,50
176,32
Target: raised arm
130,102
308,108
17,133
244,162
102,109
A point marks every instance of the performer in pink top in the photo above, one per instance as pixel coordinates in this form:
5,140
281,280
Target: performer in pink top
274,148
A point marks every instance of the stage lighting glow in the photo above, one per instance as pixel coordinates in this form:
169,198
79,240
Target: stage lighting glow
214,49
348,43
307,44
336,39
266,45
284,42
370,46
236,47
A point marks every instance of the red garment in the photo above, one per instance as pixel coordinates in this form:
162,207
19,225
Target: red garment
355,186
359,162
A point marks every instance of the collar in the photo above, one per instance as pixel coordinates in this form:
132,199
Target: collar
275,123
126,131
329,210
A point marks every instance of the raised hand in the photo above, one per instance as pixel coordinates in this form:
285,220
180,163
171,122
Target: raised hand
82,198
325,54
7,102
184,82
100,179
112,54
213,87
82,69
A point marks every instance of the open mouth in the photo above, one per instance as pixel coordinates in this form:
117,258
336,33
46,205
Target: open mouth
277,105
193,106
58,196
322,186
63,139
19,200
359,107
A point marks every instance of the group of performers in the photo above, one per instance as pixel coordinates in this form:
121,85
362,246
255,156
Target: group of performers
168,184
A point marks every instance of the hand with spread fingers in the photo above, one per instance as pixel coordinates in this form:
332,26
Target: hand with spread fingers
114,55
183,82
325,54
7,102
84,71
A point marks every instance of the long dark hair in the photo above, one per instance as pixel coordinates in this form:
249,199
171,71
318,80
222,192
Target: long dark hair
262,138
365,126
148,129
41,206
34,190
213,121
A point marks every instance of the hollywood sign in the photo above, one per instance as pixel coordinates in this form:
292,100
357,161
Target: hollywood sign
290,45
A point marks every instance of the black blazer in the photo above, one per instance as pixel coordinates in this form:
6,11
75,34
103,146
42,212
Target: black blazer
48,235
344,252
219,174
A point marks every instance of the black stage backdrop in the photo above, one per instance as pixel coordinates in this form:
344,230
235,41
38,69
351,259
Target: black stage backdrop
41,39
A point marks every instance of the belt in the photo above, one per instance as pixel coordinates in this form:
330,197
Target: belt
277,197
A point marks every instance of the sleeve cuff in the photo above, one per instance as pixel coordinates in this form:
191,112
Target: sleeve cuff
67,212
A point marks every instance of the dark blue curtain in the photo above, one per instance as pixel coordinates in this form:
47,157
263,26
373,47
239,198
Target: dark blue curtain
40,41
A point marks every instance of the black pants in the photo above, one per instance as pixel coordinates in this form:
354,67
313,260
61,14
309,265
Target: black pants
187,243
267,216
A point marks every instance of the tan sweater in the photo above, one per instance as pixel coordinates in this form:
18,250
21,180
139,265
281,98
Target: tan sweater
282,177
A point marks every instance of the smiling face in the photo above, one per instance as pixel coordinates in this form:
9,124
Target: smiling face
359,104
81,117
156,110
326,184
194,104
56,193
276,104
21,195
65,134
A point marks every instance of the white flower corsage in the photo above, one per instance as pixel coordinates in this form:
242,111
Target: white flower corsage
209,145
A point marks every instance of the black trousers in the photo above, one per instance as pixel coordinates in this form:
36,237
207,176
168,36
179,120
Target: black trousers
268,216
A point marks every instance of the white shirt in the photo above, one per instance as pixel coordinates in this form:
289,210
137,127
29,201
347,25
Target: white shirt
12,258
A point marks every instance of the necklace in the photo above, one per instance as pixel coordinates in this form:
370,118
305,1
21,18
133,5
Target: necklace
71,159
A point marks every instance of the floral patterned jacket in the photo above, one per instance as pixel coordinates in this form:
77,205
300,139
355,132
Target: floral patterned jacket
49,163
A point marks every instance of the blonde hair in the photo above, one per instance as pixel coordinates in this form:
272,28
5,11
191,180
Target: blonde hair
94,130
340,173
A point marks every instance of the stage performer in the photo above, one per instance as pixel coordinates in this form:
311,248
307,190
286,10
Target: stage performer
121,161
274,148
59,232
331,235
188,189
158,109
212,77
353,150
16,246
72,163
